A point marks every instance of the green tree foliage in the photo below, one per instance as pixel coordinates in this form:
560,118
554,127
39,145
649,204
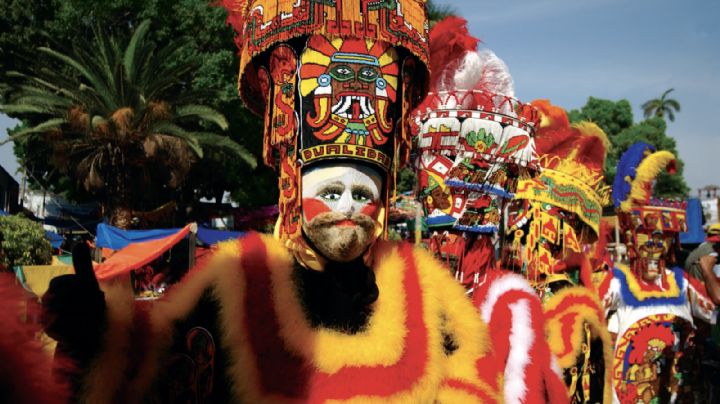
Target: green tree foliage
616,119
117,118
659,107
611,116
22,26
437,12
406,180
24,242
209,41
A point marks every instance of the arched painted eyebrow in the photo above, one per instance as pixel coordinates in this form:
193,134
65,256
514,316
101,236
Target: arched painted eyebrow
364,189
335,183
335,186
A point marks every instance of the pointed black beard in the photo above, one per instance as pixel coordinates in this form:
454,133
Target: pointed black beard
340,297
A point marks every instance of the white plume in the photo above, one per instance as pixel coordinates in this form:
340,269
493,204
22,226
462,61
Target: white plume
469,72
481,70
495,74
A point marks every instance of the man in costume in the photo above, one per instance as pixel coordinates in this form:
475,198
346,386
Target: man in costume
326,311
474,141
552,222
654,300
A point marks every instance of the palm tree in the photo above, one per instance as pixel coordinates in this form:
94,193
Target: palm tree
659,107
120,118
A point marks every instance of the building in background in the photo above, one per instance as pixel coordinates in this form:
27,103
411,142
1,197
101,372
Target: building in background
710,203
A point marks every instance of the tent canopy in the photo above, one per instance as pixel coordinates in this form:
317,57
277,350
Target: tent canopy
55,239
137,254
116,238
36,278
212,236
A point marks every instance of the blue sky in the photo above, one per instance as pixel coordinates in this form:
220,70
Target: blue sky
568,50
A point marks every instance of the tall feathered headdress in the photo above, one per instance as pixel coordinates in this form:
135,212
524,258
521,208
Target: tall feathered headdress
473,141
651,226
637,169
473,138
572,158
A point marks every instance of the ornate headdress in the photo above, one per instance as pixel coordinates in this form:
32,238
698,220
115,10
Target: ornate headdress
473,142
333,80
651,226
559,211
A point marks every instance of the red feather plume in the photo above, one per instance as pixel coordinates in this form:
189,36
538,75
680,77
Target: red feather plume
449,41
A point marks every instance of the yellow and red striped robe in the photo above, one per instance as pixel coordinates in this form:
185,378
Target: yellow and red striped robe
272,352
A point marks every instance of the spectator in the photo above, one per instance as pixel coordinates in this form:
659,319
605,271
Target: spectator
703,259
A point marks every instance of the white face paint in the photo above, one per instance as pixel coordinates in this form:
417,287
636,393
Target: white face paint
652,271
341,204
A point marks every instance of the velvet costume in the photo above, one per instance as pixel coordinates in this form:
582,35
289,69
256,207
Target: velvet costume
554,219
633,298
332,81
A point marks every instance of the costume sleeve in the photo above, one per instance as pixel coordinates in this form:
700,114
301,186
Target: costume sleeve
139,333
702,306
516,326
471,373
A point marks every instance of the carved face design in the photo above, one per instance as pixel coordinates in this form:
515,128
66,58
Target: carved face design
348,89
341,206
351,83
440,198
651,221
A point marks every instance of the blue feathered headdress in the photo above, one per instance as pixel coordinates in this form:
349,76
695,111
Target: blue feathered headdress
627,170
637,169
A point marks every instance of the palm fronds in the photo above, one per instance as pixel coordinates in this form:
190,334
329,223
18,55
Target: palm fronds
660,107
114,105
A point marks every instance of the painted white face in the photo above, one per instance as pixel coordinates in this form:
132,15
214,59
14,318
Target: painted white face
341,204
652,271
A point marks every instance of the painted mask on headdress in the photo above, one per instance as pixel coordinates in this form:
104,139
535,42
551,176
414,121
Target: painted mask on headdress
334,81
349,90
